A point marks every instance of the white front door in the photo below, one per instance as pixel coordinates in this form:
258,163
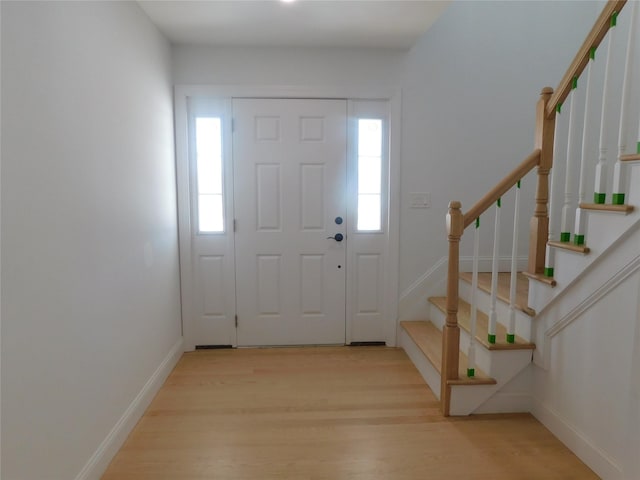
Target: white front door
290,163
256,208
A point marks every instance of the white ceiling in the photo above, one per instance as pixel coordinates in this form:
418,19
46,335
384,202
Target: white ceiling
303,23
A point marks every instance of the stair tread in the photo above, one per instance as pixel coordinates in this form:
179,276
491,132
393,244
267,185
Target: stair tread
570,247
428,338
599,207
630,158
482,327
504,284
541,278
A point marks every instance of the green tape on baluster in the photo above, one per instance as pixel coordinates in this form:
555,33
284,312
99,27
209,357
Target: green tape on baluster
518,183
559,108
599,198
548,272
638,148
499,202
617,199
592,53
491,338
574,83
614,19
511,338
565,236
471,372
578,239
478,222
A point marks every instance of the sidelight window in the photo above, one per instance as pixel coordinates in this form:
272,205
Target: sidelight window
369,174
208,131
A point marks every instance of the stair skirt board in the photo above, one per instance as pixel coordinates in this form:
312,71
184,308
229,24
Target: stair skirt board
433,282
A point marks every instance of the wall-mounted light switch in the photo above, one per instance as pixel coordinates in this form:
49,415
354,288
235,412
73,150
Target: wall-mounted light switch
419,200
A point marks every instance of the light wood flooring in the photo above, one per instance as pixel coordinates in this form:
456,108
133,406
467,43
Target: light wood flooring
325,413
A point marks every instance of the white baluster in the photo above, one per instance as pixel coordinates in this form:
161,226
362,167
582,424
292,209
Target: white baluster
601,174
569,207
618,177
578,237
471,362
553,206
493,315
511,332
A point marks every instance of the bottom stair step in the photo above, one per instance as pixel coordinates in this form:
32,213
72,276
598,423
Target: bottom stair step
428,338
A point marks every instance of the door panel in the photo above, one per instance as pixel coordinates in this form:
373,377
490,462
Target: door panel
212,259
371,292
290,184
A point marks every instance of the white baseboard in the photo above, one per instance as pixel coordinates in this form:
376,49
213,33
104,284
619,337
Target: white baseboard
101,458
595,458
506,402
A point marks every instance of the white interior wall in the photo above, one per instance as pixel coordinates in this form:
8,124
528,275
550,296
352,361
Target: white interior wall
469,89
470,86
309,67
90,283
586,388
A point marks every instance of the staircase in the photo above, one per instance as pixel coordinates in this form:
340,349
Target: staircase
497,364
477,342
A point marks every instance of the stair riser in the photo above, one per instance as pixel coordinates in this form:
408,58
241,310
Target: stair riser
467,399
523,321
499,364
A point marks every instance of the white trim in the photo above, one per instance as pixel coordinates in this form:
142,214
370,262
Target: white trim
624,273
0,268
99,461
393,246
597,459
184,217
432,282
413,299
356,92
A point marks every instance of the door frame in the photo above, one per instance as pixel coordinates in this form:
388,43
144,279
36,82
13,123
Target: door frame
391,267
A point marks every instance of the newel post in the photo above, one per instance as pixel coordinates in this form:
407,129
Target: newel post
539,226
451,331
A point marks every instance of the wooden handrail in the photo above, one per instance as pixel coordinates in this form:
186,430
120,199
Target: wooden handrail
501,188
595,37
